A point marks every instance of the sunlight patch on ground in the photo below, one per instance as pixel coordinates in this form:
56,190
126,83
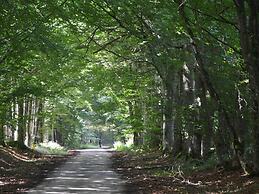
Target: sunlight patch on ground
98,181
111,178
96,150
18,156
67,178
84,189
88,172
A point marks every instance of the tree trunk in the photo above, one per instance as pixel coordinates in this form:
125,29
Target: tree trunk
248,18
206,79
171,134
40,121
177,132
21,123
13,117
29,122
196,145
239,121
134,116
222,141
207,124
2,135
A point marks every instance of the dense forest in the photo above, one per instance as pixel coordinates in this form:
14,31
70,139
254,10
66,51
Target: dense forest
177,75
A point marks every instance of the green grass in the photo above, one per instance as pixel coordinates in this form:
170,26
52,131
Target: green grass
88,146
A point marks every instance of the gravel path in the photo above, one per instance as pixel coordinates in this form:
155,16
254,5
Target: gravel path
88,172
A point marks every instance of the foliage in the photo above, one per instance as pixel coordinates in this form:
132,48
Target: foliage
181,75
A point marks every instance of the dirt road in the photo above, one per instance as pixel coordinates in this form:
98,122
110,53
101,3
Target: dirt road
89,172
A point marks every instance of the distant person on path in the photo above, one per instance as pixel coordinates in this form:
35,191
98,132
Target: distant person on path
100,143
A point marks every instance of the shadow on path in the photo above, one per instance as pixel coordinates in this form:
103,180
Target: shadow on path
89,172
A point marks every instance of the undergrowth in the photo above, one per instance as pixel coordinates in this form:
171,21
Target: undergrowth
170,165
182,166
51,148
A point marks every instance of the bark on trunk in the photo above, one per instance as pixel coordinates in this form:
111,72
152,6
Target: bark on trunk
2,136
196,145
206,113
207,124
222,141
248,18
21,123
29,122
170,112
40,121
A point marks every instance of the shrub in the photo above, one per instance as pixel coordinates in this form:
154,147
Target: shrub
51,148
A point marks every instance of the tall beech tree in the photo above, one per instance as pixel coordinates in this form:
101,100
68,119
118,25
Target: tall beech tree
247,15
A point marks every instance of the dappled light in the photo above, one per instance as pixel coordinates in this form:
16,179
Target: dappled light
142,96
19,156
89,171
153,176
23,168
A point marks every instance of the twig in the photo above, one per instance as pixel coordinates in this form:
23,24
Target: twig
88,41
109,43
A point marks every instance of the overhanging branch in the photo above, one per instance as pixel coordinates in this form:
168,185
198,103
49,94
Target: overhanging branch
104,46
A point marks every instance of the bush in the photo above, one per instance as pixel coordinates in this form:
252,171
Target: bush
119,146
88,146
51,148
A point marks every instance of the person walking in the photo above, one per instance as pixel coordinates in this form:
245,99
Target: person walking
100,143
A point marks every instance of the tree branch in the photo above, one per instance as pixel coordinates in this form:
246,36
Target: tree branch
120,56
104,46
221,19
217,39
29,30
88,41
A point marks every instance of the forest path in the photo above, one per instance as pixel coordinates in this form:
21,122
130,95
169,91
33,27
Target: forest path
88,172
